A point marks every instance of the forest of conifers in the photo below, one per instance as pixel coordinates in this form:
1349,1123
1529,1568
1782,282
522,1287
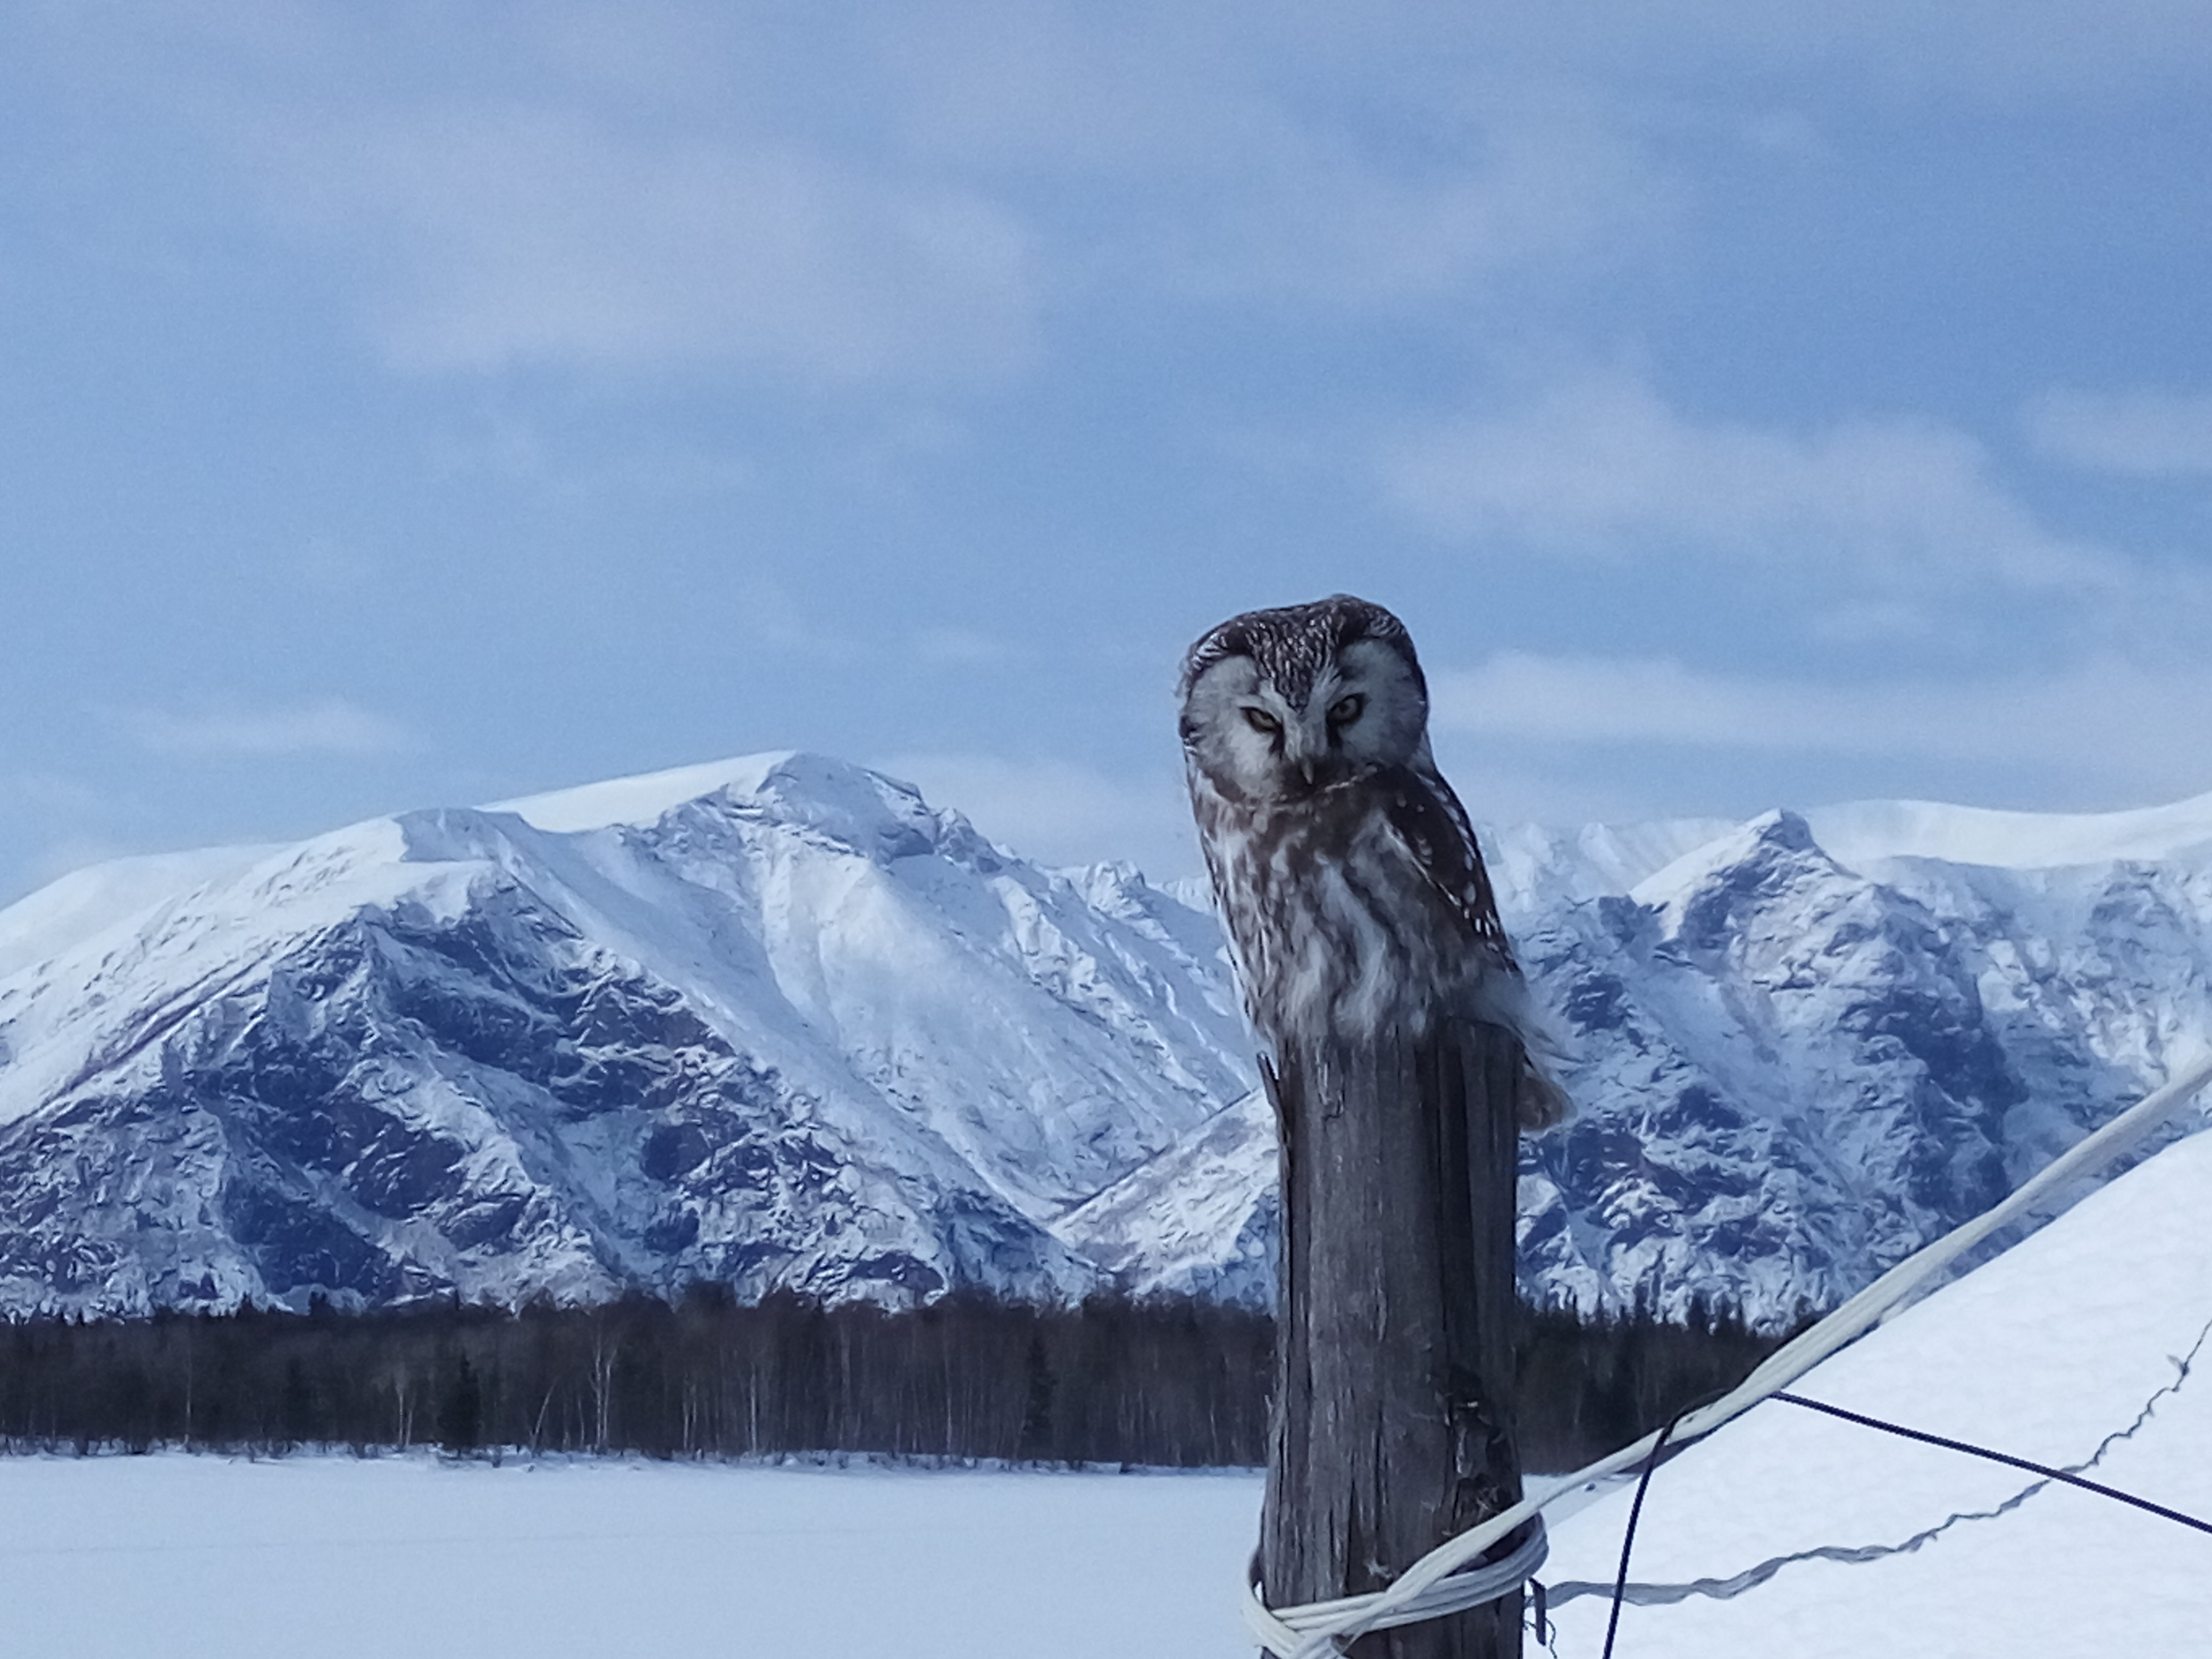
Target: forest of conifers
1176,1383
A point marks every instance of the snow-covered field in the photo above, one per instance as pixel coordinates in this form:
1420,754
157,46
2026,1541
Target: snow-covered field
1787,1533
178,1556
2089,1348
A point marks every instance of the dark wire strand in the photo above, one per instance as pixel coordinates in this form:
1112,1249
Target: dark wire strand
1972,1450
1628,1538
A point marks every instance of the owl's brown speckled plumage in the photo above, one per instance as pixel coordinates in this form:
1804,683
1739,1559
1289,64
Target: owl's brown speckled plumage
1345,868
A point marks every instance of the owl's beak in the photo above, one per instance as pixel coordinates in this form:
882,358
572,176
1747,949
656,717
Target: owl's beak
1306,770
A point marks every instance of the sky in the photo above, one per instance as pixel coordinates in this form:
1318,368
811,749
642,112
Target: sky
1743,404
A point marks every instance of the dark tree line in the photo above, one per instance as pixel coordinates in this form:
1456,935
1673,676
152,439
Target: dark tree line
1178,1383
1588,1386
967,1377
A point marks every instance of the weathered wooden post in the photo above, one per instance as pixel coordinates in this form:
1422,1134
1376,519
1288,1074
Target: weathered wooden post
1385,996
1393,1407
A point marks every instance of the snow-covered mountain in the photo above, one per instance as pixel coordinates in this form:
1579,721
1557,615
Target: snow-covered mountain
778,1021
773,1022
1807,1045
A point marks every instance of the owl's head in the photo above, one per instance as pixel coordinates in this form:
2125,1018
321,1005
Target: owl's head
1279,703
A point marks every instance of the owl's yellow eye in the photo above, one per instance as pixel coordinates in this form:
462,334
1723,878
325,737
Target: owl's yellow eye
1261,721
1346,710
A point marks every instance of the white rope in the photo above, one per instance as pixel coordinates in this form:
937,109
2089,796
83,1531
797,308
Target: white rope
1285,1630
1315,1629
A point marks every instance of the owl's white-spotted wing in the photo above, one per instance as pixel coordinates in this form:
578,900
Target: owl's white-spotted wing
1424,812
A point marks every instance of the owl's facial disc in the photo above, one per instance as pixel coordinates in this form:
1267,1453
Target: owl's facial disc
1363,709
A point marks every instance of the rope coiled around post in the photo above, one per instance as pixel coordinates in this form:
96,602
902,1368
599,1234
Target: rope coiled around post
1296,1630
1315,1629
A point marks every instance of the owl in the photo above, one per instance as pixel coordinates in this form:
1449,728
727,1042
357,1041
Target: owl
1346,869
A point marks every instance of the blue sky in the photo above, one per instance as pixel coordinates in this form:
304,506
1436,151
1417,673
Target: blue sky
1744,404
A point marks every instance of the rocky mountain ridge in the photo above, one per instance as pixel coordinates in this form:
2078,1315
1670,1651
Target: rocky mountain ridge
779,1021
1792,1070
783,1024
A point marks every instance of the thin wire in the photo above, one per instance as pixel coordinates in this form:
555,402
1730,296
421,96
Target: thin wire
2006,1458
1628,1538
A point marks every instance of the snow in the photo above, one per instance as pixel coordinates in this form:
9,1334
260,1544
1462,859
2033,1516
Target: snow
205,1557
861,809
1800,1046
643,799
1531,863
86,902
2085,1347
1197,1219
836,930
813,965
1865,832
1532,866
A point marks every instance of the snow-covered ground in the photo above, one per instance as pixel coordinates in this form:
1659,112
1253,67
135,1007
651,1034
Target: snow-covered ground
326,1557
2085,1347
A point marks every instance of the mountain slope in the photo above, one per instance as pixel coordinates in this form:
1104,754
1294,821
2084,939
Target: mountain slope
778,1021
1792,1072
773,1023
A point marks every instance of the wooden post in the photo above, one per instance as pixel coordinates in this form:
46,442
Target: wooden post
1393,1422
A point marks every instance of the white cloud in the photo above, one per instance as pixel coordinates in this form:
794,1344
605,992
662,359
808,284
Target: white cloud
1061,813
1604,470
331,726
2135,725
827,193
1530,184
851,195
1219,152
488,236
2140,434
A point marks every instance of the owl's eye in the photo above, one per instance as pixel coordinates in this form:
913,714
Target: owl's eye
1346,710
1261,721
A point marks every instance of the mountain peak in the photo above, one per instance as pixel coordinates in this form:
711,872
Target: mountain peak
1750,856
725,1022
728,1021
880,817
649,796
